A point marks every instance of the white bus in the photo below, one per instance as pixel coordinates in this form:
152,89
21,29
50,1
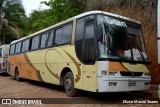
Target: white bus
95,51
3,58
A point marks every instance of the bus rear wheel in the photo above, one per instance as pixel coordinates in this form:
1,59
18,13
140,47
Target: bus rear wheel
17,75
69,85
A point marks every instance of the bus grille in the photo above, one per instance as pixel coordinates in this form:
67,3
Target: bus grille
131,73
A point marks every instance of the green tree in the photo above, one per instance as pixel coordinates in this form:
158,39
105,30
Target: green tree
63,9
12,14
59,10
38,20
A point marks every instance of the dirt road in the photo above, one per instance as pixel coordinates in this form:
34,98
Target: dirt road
55,96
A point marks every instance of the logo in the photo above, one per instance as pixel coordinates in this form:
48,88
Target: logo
6,101
21,101
115,22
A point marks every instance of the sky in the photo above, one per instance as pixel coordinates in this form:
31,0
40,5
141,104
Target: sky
30,5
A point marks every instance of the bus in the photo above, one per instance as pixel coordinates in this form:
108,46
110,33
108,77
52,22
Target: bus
4,49
95,51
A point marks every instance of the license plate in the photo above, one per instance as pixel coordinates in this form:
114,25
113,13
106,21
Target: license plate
131,83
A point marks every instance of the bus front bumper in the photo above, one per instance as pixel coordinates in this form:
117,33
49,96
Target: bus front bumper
122,84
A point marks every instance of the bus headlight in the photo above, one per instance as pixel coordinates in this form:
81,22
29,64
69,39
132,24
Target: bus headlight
146,74
113,74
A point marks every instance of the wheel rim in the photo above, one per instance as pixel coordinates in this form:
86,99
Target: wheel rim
68,84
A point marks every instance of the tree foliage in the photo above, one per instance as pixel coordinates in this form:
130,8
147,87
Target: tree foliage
11,24
64,9
59,10
14,12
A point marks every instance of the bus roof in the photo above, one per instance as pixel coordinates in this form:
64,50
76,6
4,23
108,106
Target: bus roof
107,13
79,16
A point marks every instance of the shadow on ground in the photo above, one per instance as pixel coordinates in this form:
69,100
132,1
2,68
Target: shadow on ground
85,97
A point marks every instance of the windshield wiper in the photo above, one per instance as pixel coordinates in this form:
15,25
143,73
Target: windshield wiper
131,47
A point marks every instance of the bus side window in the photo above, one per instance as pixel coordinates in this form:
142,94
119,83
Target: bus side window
27,45
23,46
89,45
35,43
79,38
89,50
50,38
67,33
12,50
18,47
30,44
44,40
58,36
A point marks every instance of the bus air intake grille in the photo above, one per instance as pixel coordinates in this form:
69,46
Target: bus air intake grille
131,73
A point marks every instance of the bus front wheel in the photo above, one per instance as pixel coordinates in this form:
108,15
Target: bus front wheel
69,85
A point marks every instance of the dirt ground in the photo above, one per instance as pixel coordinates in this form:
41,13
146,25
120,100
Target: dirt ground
55,96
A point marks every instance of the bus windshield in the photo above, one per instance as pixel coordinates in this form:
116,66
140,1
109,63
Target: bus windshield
120,39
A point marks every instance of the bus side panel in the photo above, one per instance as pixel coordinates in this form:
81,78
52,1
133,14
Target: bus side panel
56,59
51,62
52,59
85,75
11,65
89,73
25,67
32,62
43,66
71,61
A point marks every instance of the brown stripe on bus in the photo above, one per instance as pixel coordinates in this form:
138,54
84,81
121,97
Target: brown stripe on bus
37,71
77,66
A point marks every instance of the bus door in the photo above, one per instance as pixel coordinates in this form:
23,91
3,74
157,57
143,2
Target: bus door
89,68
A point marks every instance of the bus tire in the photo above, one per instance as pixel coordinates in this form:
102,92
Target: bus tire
69,85
17,75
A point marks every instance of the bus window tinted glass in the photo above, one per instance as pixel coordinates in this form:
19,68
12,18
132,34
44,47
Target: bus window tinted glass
67,32
35,43
12,49
79,37
18,47
89,55
23,46
44,40
50,38
58,38
27,45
